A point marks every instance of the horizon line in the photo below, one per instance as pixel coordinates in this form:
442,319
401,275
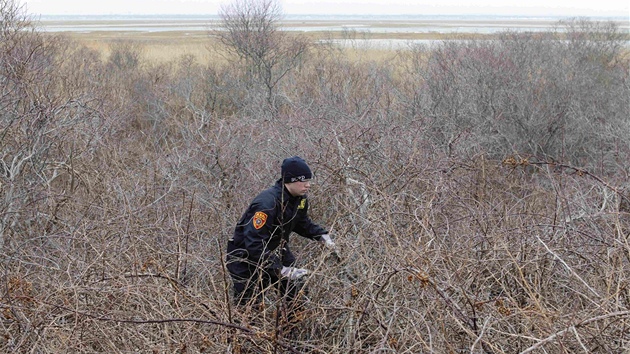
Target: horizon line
339,14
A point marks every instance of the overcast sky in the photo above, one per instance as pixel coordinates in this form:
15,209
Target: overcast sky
567,8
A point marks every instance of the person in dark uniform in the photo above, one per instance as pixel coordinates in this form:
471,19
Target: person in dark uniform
258,254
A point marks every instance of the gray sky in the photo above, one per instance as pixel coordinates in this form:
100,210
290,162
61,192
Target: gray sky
565,8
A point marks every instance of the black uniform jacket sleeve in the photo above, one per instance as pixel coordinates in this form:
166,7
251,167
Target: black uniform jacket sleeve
256,229
304,226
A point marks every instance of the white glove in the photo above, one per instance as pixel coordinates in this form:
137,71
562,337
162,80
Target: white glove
293,273
329,242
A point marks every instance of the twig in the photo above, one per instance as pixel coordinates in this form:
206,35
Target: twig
243,329
567,266
578,170
479,336
585,322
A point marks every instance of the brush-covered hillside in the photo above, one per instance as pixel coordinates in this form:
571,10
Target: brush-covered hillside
477,191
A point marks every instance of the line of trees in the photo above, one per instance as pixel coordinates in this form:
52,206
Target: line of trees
478,191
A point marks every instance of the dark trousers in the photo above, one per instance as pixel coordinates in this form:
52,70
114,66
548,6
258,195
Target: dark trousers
252,282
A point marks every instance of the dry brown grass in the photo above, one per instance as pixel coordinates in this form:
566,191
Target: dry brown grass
156,47
161,47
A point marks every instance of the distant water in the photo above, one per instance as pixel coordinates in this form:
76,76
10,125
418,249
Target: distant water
357,23
412,17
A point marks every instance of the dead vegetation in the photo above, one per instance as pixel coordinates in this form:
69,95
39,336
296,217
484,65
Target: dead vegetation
478,195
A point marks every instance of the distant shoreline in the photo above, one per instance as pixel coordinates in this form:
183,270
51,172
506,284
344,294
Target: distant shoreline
165,37
382,24
334,17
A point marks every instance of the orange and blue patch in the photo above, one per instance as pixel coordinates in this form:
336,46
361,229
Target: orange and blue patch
259,220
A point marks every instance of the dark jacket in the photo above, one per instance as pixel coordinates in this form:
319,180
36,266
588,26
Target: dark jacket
262,233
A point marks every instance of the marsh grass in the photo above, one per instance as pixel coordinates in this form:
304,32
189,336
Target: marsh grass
162,47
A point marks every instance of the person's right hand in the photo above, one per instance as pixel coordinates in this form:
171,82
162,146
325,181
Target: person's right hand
293,273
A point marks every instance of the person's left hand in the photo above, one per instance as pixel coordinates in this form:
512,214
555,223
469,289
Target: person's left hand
330,244
328,241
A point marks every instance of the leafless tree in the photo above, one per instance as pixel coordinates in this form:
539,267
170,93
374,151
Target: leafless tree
24,117
251,33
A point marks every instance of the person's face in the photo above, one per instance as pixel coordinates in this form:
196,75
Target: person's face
298,188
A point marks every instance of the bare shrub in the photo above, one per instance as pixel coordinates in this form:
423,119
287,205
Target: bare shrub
251,35
528,93
124,56
131,178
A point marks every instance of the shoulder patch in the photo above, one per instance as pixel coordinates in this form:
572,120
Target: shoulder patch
259,219
302,204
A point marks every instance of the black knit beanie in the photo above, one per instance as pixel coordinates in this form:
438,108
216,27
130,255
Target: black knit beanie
295,169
